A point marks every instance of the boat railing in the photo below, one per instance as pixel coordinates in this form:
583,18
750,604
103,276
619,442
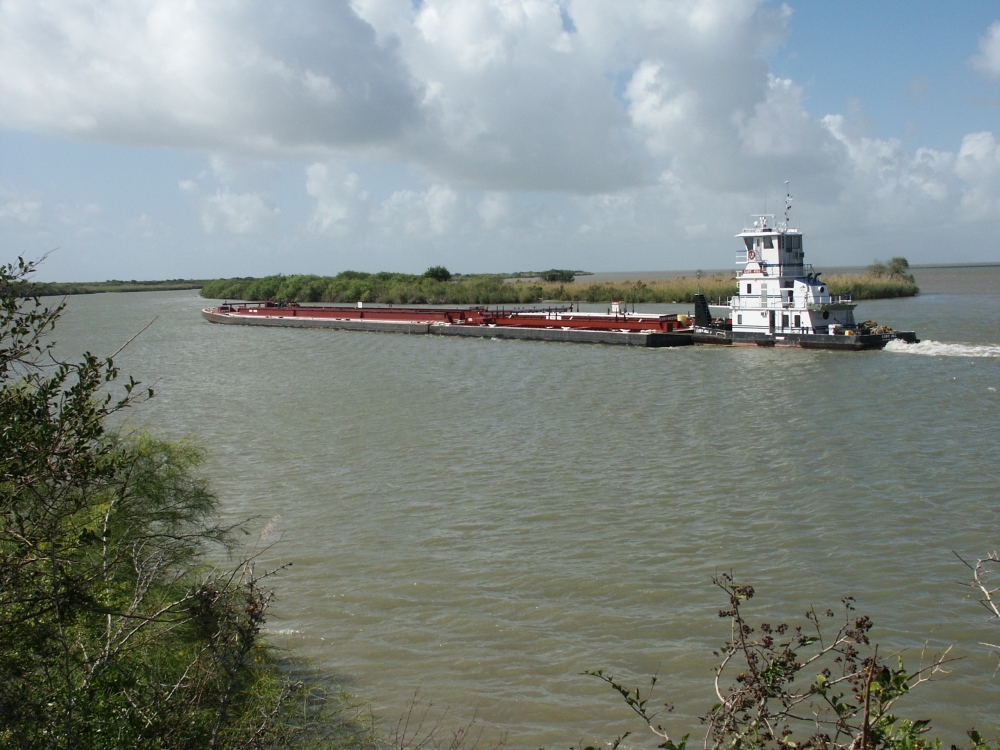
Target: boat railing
781,301
769,301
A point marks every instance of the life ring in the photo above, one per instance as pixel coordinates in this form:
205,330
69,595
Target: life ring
751,255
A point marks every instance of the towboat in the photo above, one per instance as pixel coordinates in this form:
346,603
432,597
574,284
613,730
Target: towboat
782,301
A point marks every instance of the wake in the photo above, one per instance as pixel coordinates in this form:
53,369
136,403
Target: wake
940,349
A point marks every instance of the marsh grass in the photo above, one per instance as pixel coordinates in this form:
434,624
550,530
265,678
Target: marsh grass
61,289
402,289
868,286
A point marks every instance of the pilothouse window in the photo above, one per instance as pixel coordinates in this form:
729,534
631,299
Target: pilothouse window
769,242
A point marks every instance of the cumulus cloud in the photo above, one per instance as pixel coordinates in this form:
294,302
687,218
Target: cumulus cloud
340,202
493,94
885,184
978,166
637,123
237,213
700,79
424,213
253,75
19,208
493,208
514,100
988,59
234,195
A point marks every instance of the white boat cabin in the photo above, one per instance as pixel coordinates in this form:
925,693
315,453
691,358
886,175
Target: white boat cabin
777,292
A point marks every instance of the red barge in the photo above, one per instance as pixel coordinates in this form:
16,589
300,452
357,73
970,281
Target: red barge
616,326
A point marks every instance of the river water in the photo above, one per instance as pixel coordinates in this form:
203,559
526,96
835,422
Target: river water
480,521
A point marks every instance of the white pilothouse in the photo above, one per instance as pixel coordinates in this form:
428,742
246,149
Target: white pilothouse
781,301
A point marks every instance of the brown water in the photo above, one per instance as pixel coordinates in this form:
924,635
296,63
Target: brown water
481,521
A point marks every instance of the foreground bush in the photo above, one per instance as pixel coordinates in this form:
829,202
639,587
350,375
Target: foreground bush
115,631
802,687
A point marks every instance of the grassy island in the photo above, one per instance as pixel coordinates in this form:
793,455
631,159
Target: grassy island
398,288
63,288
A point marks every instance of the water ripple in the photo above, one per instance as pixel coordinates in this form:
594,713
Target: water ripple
483,520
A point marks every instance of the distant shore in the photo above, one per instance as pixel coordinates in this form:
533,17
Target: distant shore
508,288
391,288
63,288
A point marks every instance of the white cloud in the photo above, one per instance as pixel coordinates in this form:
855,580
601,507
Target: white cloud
660,108
233,195
432,212
249,76
499,95
881,183
514,100
146,228
978,165
21,209
779,126
237,213
340,200
80,218
541,125
988,59
493,208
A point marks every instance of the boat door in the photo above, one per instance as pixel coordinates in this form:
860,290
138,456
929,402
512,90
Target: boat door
770,321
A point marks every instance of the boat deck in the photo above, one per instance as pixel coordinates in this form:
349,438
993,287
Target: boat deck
438,325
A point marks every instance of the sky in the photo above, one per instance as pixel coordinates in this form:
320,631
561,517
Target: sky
162,139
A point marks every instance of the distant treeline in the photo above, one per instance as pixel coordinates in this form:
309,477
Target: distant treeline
399,288
61,289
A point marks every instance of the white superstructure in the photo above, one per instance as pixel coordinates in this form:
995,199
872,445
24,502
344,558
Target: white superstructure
777,293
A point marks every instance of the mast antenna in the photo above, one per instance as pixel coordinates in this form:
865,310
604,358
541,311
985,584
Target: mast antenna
788,203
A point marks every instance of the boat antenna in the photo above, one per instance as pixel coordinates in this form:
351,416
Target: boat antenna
699,281
788,203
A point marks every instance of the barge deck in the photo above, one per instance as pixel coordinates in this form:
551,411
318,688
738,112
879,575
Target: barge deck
616,327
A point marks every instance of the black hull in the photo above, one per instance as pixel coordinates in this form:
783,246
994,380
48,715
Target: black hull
857,342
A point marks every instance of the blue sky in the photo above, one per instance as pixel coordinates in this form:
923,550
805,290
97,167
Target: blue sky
154,139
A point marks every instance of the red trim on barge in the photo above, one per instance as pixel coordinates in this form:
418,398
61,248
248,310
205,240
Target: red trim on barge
616,319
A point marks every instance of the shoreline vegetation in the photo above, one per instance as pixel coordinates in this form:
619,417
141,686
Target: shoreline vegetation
437,286
64,288
402,289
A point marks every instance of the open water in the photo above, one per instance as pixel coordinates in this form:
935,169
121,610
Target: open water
480,521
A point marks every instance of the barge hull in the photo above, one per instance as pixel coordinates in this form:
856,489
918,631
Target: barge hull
644,339
384,326
647,339
858,342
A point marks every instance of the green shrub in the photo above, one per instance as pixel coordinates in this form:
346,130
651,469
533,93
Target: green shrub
438,273
116,633
399,288
557,275
812,686
896,268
